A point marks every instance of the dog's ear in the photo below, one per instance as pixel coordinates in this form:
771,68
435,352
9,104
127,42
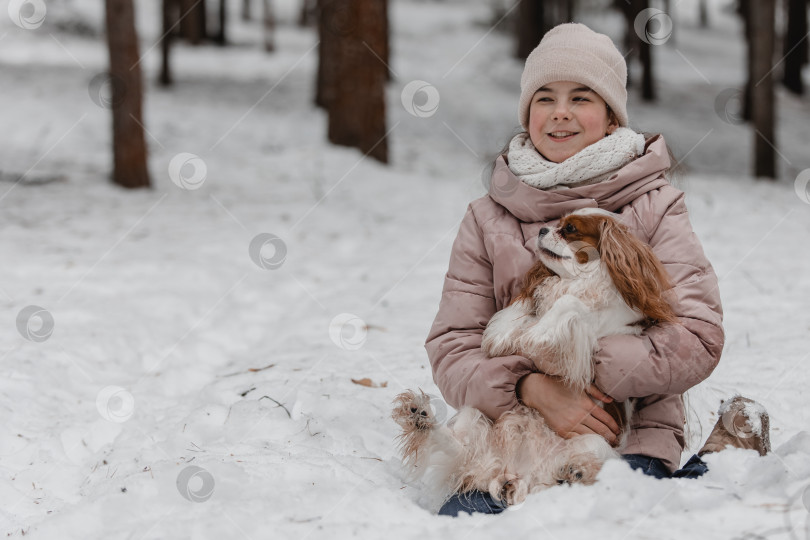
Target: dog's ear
637,273
534,277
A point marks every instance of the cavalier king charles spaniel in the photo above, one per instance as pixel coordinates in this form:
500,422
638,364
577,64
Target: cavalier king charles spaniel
593,279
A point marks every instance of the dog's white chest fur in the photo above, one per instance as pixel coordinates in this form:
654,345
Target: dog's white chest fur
561,323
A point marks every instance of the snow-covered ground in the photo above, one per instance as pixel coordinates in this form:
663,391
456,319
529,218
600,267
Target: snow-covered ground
189,374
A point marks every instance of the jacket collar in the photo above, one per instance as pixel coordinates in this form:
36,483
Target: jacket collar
530,204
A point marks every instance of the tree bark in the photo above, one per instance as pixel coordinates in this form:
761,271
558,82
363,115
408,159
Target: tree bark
357,106
269,25
703,14
763,21
327,52
169,12
220,39
795,50
571,10
129,146
308,13
644,56
745,10
530,26
192,24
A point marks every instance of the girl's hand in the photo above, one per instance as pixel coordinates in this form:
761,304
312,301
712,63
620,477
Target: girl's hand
567,411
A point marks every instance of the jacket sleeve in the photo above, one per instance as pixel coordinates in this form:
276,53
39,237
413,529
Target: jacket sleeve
463,373
668,358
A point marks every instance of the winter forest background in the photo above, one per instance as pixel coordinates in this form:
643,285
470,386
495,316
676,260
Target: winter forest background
215,356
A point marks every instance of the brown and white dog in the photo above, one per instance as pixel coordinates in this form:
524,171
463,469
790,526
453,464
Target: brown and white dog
593,279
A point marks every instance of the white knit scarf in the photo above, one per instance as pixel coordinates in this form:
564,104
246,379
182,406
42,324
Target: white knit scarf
590,165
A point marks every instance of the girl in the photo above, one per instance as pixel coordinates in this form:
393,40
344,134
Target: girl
577,152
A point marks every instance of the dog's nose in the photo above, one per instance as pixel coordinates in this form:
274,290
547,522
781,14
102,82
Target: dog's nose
544,231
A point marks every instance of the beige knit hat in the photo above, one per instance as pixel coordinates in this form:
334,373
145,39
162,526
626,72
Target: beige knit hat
574,52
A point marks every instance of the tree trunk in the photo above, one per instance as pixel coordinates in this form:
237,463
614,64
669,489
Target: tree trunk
220,39
357,106
571,10
644,53
168,19
630,40
647,78
530,27
269,25
129,147
763,21
703,13
327,52
245,10
795,46
745,12
308,13
192,24
385,52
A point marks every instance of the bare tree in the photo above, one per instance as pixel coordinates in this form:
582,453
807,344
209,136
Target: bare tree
129,146
703,13
636,46
763,23
169,14
355,98
269,25
192,22
795,50
309,11
744,9
332,23
222,15
530,27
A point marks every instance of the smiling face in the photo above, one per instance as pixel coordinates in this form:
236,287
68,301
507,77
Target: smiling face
565,117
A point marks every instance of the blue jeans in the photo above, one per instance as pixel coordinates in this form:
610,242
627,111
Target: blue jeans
479,501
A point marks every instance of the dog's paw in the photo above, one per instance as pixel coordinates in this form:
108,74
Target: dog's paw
495,345
508,488
412,411
578,471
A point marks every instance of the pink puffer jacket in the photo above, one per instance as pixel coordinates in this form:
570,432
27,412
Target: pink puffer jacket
495,247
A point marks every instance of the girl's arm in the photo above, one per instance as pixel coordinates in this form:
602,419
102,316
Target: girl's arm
668,358
463,373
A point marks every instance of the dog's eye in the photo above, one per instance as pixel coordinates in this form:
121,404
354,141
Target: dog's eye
569,229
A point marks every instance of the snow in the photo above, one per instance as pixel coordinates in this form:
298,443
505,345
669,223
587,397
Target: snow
176,344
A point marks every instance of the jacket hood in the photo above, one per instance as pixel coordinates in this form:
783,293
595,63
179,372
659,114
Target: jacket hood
530,204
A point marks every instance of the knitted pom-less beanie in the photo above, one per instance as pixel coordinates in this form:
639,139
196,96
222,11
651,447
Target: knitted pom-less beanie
573,52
